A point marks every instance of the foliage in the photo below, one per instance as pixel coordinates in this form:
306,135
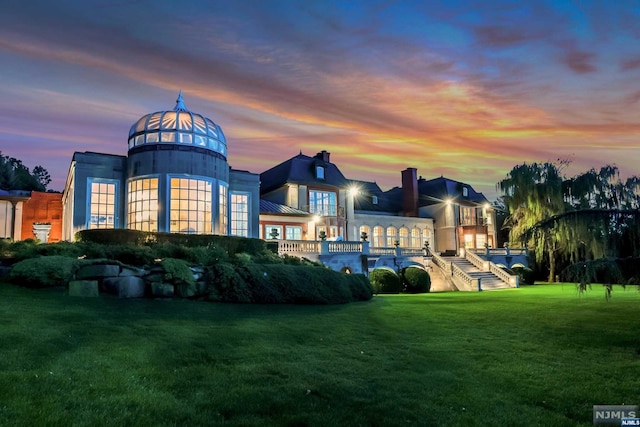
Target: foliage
604,270
43,271
385,281
177,271
16,176
569,220
525,275
284,284
415,280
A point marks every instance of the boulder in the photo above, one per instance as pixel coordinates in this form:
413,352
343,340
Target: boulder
125,287
97,271
83,288
163,290
126,271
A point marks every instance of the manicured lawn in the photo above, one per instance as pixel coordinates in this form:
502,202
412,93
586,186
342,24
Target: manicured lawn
541,355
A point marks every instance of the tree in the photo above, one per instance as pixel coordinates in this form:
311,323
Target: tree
533,193
16,176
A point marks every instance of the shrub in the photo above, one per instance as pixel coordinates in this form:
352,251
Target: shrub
43,271
416,280
177,271
385,281
360,286
525,275
225,284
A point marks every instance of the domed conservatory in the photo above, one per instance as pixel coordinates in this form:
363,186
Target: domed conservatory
175,178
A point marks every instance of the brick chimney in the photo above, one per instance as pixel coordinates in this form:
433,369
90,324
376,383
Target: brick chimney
410,192
324,156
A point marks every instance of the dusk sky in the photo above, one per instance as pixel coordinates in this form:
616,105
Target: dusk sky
465,89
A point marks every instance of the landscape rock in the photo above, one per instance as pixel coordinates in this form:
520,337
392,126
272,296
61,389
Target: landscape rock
163,290
97,271
125,287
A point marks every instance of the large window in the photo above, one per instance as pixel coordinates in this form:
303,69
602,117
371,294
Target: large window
240,214
416,242
190,206
364,229
142,205
467,216
323,203
391,236
293,232
273,232
102,205
404,237
378,237
223,215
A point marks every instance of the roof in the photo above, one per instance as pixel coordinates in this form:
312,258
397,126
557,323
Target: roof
439,189
300,169
268,207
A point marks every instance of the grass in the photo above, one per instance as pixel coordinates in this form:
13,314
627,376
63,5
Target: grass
541,355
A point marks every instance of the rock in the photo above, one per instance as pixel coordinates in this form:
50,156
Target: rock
126,271
163,290
125,287
83,288
97,271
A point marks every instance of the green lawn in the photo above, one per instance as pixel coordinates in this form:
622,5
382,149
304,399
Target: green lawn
542,355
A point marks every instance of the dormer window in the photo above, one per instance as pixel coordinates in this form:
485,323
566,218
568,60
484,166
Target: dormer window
465,192
374,200
319,172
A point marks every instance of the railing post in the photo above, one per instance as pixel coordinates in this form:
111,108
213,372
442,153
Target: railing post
365,247
324,247
479,285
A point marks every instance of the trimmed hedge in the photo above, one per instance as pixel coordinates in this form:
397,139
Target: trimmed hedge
416,280
385,281
285,284
43,271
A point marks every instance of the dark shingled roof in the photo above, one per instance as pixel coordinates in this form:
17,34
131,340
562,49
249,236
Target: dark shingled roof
301,170
267,207
436,190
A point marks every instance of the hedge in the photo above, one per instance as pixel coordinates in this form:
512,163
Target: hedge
385,281
43,271
416,280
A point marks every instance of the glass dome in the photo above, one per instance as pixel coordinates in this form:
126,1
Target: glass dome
178,126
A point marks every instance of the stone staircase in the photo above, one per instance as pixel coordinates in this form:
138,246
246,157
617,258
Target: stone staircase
489,281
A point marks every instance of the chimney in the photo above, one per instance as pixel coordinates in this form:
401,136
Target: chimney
324,156
410,192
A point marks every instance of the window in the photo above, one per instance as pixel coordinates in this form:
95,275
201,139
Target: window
190,206
319,172
223,219
416,242
240,214
142,207
102,204
481,239
273,232
374,200
293,233
468,241
391,236
364,229
426,237
404,237
323,203
378,237
465,192
467,216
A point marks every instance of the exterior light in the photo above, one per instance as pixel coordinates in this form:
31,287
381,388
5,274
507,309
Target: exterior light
354,191
448,202
315,218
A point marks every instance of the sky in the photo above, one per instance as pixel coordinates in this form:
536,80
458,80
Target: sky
465,89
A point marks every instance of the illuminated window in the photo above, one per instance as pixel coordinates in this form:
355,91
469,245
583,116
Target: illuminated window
319,172
467,216
378,237
481,239
365,229
293,233
223,215
416,241
374,200
102,205
190,206
240,214
391,236
404,237
426,237
465,192
468,240
323,203
142,206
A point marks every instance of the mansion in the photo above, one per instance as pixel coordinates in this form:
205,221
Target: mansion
176,178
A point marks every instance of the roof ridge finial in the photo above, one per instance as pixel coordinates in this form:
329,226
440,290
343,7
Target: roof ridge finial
180,103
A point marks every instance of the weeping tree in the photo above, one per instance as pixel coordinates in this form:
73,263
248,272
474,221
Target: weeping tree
533,193
564,221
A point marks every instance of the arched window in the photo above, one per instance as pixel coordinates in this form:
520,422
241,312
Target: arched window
416,241
364,229
426,237
378,237
392,236
404,237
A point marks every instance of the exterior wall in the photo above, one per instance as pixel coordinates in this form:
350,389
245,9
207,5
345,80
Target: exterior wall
246,182
372,220
6,212
43,208
176,159
85,166
308,229
445,218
